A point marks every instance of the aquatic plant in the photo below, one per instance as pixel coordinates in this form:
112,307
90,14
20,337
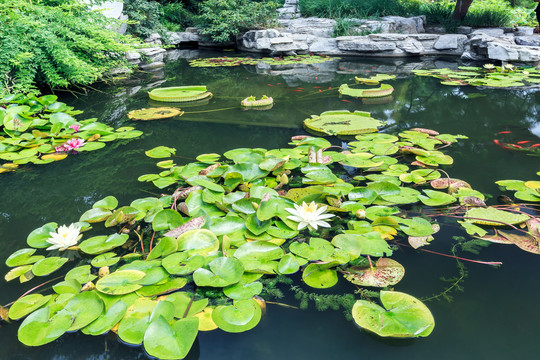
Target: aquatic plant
489,75
41,130
382,91
154,113
161,269
180,94
342,122
236,61
375,79
251,101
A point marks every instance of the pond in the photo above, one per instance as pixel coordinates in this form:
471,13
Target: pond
494,316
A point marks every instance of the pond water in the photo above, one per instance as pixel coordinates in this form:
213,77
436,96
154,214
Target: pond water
496,316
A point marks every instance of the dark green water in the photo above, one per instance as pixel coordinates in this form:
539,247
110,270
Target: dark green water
495,317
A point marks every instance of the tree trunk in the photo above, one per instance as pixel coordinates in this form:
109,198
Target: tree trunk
462,6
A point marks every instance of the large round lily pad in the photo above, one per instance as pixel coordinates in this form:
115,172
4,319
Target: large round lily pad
383,90
402,316
180,93
342,122
319,276
40,329
223,272
154,113
107,321
120,282
170,341
243,315
385,272
26,305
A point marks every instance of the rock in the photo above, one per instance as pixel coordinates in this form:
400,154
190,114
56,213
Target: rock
506,52
312,26
465,30
133,55
411,46
412,25
324,46
524,31
175,54
151,52
153,65
175,38
528,40
363,44
495,32
388,37
449,42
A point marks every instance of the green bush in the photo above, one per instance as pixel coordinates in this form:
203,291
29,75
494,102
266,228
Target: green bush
358,8
57,45
224,19
175,17
489,13
144,17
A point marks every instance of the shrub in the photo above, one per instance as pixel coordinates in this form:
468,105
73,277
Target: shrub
223,19
144,17
358,8
489,13
56,46
175,17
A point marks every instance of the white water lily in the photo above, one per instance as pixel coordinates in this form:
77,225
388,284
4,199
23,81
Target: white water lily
64,237
309,215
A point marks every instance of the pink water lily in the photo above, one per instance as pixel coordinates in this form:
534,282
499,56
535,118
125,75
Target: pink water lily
74,143
75,127
69,145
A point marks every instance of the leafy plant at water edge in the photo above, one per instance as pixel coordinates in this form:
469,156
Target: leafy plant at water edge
56,45
41,130
223,20
161,269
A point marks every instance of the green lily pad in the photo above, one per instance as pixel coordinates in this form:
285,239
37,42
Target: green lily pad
83,309
383,90
223,272
23,257
288,264
160,152
181,263
108,203
40,329
26,305
167,219
370,243
166,246
242,316
80,273
107,321
48,265
343,122
494,217
38,237
259,250
95,215
170,341
163,288
120,282
402,316
319,276
241,291
199,241
67,287
416,227
436,198
106,259
184,306
103,243
317,249
137,319
386,272
180,93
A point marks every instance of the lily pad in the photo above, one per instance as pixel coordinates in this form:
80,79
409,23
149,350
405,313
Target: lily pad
242,316
26,305
223,272
40,329
386,272
402,316
154,113
120,282
383,90
170,341
48,265
343,122
103,243
107,321
180,94
319,276
494,217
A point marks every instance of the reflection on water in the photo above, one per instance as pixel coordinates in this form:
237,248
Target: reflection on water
494,317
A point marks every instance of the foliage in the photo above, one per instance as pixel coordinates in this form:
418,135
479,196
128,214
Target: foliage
41,130
488,75
145,17
336,9
488,13
55,45
176,17
223,20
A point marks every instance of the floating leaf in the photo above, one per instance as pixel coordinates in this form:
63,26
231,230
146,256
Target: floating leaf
319,276
40,329
243,315
160,152
170,341
26,305
103,243
38,237
222,272
120,282
180,93
383,90
154,113
107,321
402,316
386,272
343,123
48,265
494,217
